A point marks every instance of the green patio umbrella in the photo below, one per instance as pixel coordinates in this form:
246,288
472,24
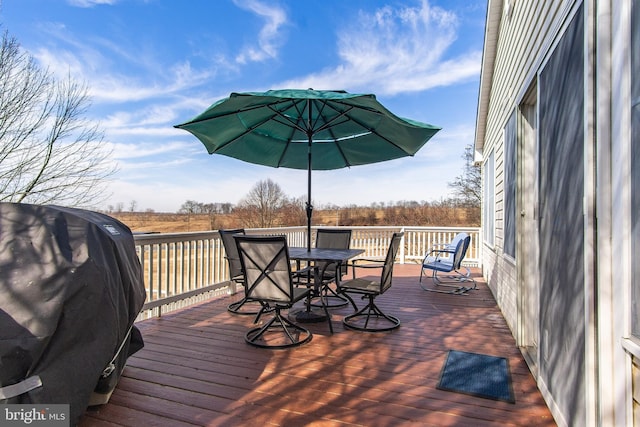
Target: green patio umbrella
307,129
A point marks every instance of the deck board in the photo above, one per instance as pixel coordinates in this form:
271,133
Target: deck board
196,369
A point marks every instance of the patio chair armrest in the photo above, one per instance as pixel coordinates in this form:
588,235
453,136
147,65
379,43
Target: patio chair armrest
307,274
368,259
443,247
437,245
437,253
371,263
326,265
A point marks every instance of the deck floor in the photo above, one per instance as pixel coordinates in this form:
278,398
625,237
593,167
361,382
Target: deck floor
196,369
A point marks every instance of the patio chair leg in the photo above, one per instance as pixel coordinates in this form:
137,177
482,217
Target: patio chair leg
281,323
347,296
368,311
454,284
236,307
330,294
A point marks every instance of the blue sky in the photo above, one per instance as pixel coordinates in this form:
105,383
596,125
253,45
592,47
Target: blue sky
151,64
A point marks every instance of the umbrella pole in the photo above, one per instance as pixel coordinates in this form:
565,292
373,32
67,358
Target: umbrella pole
309,206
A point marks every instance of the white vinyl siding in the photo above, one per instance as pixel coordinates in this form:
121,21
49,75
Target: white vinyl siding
525,35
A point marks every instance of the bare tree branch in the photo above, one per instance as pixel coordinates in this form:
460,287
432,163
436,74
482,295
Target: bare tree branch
467,187
49,151
261,206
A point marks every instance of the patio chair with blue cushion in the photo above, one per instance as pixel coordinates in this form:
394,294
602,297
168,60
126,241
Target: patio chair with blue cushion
447,258
370,318
267,269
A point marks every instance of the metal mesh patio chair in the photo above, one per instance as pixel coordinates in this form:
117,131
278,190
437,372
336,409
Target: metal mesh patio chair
243,306
370,318
266,263
447,258
327,238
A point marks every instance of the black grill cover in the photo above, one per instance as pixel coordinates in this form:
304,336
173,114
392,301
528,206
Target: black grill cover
70,288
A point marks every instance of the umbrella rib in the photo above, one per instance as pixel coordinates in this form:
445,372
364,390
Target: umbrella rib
381,136
393,143
257,125
230,113
372,110
286,148
291,124
330,123
247,131
344,158
288,121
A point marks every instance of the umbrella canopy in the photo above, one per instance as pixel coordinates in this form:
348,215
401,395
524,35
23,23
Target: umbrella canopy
307,129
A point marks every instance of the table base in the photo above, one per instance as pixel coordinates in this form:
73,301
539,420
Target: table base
302,315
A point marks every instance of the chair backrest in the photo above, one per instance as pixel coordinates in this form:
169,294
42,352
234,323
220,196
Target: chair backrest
328,238
387,271
267,267
456,239
230,248
462,244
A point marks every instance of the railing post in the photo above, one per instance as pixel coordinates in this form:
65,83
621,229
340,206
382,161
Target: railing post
402,246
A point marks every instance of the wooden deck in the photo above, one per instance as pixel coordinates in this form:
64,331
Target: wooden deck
196,369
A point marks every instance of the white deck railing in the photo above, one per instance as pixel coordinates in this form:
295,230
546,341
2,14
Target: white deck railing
181,269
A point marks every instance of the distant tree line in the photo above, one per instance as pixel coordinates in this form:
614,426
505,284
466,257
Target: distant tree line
266,206
193,207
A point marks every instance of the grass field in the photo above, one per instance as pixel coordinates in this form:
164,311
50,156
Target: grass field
158,222
180,223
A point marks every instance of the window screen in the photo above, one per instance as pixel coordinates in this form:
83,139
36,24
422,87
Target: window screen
510,186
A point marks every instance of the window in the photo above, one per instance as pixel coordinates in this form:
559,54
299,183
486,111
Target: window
489,202
635,167
510,186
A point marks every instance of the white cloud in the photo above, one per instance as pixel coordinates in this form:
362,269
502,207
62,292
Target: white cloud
126,151
85,60
270,37
395,51
90,3
149,116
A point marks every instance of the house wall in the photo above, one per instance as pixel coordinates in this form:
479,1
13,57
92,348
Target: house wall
524,38
528,33
578,329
